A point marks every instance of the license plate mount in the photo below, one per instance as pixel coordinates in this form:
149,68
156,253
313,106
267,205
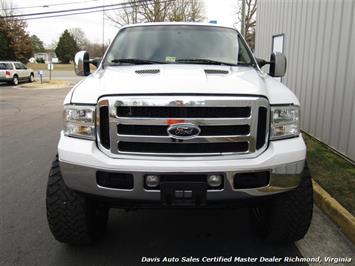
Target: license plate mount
183,193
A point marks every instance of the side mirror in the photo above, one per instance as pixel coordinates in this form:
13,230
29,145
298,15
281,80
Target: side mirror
277,65
81,63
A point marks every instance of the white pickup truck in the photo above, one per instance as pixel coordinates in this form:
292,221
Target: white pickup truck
180,115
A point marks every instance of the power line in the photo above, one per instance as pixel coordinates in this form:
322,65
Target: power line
85,12
76,9
49,5
73,14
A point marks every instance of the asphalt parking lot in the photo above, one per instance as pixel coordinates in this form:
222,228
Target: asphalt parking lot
30,122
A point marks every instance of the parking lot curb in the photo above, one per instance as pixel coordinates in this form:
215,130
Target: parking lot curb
335,211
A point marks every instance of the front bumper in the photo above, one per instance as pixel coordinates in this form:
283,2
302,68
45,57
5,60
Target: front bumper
81,159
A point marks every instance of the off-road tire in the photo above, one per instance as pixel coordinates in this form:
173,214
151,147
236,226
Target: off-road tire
72,218
287,218
15,80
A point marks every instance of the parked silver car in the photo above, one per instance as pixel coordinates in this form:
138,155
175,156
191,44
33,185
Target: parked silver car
14,72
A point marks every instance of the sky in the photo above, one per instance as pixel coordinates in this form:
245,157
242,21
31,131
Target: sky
49,29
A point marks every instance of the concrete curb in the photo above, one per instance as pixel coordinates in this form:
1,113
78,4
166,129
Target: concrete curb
336,212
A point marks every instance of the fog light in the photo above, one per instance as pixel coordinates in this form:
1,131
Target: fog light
152,180
214,180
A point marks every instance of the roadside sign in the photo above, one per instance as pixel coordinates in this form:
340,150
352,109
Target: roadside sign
55,60
40,73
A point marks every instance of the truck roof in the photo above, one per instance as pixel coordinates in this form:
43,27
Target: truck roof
176,24
7,61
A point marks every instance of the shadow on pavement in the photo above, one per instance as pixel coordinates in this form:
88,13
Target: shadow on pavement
5,84
178,233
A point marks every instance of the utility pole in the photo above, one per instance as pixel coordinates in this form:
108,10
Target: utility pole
103,27
242,27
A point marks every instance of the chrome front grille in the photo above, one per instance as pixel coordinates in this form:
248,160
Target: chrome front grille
229,125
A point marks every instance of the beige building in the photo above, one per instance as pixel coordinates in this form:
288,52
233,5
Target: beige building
318,39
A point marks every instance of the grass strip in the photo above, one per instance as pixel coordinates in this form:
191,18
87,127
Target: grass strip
335,174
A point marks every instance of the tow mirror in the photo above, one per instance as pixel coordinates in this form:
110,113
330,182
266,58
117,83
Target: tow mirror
82,63
277,64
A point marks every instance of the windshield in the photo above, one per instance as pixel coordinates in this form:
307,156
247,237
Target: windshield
178,44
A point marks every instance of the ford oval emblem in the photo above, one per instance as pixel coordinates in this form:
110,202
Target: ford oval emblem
183,131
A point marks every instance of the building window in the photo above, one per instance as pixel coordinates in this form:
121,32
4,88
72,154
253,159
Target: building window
278,43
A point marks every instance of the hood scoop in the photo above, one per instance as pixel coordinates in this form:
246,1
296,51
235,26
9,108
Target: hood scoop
216,71
147,71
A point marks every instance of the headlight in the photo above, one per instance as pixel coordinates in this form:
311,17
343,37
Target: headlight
284,122
79,121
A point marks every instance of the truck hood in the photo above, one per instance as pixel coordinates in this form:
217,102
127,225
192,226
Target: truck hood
182,79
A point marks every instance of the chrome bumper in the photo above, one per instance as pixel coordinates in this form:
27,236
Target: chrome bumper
81,178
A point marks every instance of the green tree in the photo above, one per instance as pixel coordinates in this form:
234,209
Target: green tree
37,44
80,38
66,48
15,43
4,43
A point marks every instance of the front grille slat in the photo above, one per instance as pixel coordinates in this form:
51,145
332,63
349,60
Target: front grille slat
260,139
229,125
184,148
198,121
167,139
154,130
182,112
104,134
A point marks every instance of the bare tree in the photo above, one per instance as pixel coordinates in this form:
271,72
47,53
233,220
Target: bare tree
186,10
249,21
196,11
79,36
155,11
7,8
95,49
126,15
158,10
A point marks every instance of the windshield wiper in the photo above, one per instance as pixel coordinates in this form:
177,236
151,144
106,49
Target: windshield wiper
135,61
203,61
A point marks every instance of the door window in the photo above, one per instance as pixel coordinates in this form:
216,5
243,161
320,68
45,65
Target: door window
6,66
18,66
